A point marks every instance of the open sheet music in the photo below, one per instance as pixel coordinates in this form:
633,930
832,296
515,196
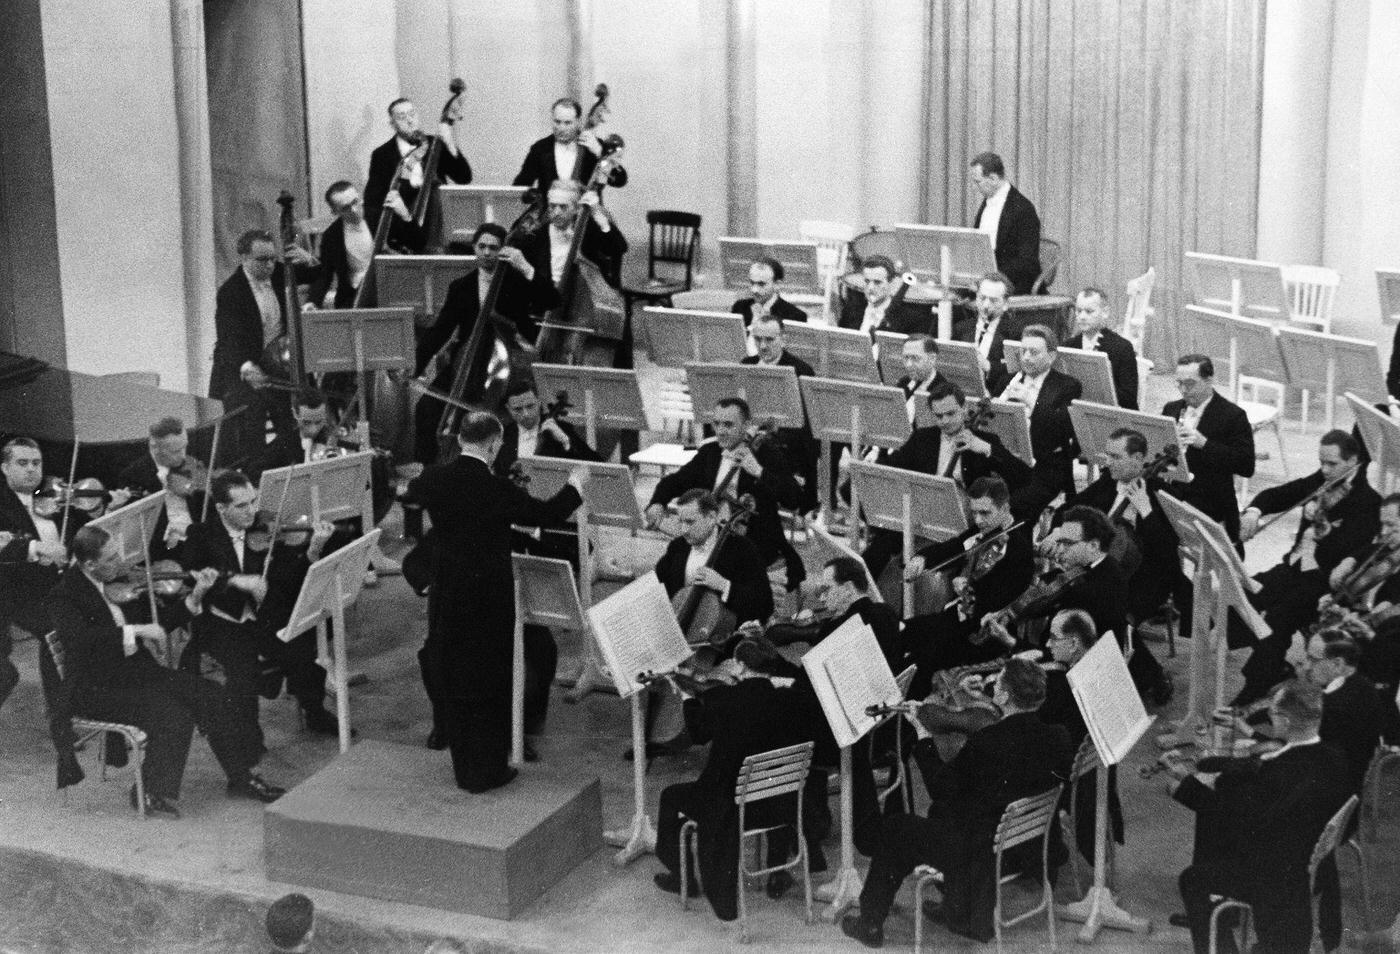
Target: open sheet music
637,631
1108,700
849,673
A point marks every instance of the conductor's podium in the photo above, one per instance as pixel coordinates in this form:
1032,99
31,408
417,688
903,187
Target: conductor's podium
385,821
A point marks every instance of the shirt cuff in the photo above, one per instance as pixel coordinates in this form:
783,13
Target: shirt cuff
724,593
129,640
33,551
245,366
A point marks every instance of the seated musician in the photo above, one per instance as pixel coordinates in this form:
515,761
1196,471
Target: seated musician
764,298
845,592
947,449
770,350
1092,316
876,310
732,461
986,328
1340,517
920,356
167,466
237,620
347,249
111,676
1367,585
570,152
384,163
984,581
1256,825
1015,757
548,253
1047,395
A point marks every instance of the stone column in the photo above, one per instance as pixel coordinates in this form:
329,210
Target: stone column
742,126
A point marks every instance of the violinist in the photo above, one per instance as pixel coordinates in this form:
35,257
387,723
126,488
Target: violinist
409,139
1340,515
845,592
570,152
1368,583
168,466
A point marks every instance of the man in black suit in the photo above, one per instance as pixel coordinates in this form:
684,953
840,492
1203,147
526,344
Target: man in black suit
571,152
1047,394
110,675
919,354
1219,442
845,592
1011,221
1333,527
467,658
765,473
547,252
409,141
764,297
167,455
1256,826
1013,758
987,328
803,450
877,310
347,249
1092,316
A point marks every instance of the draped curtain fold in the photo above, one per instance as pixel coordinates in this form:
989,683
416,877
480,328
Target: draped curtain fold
1133,125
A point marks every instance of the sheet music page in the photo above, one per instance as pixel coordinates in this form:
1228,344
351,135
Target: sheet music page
849,672
637,632
1109,701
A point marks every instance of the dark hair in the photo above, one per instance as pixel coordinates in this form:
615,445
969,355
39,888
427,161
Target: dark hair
990,486
88,543
1095,290
289,920
1301,702
990,163
772,318
307,397
489,228
1346,444
1205,367
1079,624
337,187
738,402
849,570
14,442
880,261
570,102
1093,524
401,99
701,498
1024,682
1042,332
519,386
1001,279
1339,645
930,345
244,245
1133,440
478,427
222,484
166,427
774,266
947,389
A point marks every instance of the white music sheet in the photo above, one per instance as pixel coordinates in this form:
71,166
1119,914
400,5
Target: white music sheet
849,673
637,631
1109,701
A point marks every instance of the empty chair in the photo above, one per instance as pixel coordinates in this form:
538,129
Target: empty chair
1312,291
1262,401
672,240
833,251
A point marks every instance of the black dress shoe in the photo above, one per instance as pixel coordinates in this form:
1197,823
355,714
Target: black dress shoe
256,788
322,722
656,750
779,884
867,932
155,805
531,753
1178,919
505,778
670,882
437,740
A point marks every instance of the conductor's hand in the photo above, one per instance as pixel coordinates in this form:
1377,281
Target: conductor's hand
321,534
706,576
394,203
913,568
1249,524
653,515
743,456
204,581
250,583
968,441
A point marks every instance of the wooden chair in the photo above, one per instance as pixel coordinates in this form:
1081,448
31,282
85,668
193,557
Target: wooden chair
1025,819
762,776
1312,291
1137,307
1050,253
1263,401
672,240
833,249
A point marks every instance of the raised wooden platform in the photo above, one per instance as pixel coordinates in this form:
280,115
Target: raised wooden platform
384,821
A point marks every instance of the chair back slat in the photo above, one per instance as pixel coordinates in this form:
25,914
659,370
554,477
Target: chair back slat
1086,759
1025,819
773,773
1331,835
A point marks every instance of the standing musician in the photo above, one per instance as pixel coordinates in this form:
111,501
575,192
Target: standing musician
876,309
764,297
167,466
1010,219
763,472
985,328
384,163
1047,395
347,249
467,659
570,152
770,350
1092,316
984,580
1218,439
1340,517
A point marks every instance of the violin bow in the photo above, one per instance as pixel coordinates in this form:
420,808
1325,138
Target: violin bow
276,528
72,478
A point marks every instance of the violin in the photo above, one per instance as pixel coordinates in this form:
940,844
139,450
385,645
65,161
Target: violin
1316,504
1038,597
55,494
166,579
690,682
187,479
1380,564
263,534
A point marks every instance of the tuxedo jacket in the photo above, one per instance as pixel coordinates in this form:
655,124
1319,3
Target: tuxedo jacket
462,306
1122,362
1016,757
1103,594
24,584
882,620
547,446
920,453
238,328
738,562
997,375
1052,432
335,265
384,162
209,545
1156,539
1007,578
1392,375
788,360
538,171
1018,241
1352,718
901,317
141,474
1228,451
604,249
1354,521
782,308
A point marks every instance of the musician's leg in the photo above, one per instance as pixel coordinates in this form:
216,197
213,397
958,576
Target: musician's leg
676,800
905,842
235,648
1196,884
1288,602
541,661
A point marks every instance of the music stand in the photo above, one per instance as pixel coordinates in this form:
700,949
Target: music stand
1011,422
961,363
889,355
849,412
1381,435
1254,351
1092,370
911,504
545,595
332,584
770,390
1241,286
950,257
610,396
130,528
359,340
337,488
677,336
832,352
1093,423
1333,365
799,261
418,282
466,207
1388,284
827,548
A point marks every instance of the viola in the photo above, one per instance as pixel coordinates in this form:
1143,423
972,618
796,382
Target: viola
1038,597
55,494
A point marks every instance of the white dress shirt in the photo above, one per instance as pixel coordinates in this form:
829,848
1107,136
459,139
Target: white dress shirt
991,214
268,306
874,316
565,159
1024,388
726,464
984,335
560,241
414,172
945,456
359,250
699,556
177,509
118,617
1191,416
528,442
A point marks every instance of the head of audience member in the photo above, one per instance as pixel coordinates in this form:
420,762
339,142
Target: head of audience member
1091,313
523,403
877,273
993,292
1390,520
479,434
766,333
345,202
235,499
1038,346
567,116
403,116
1072,632
1295,710
764,276
97,554
989,499
22,463
562,199
731,422
1332,655
312,415
920,356
291,923
947,405
168,442
258,254
1126,454
843,582
987,172
487,241
1195,378
1337,453
1084,537
1020,687
697,512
